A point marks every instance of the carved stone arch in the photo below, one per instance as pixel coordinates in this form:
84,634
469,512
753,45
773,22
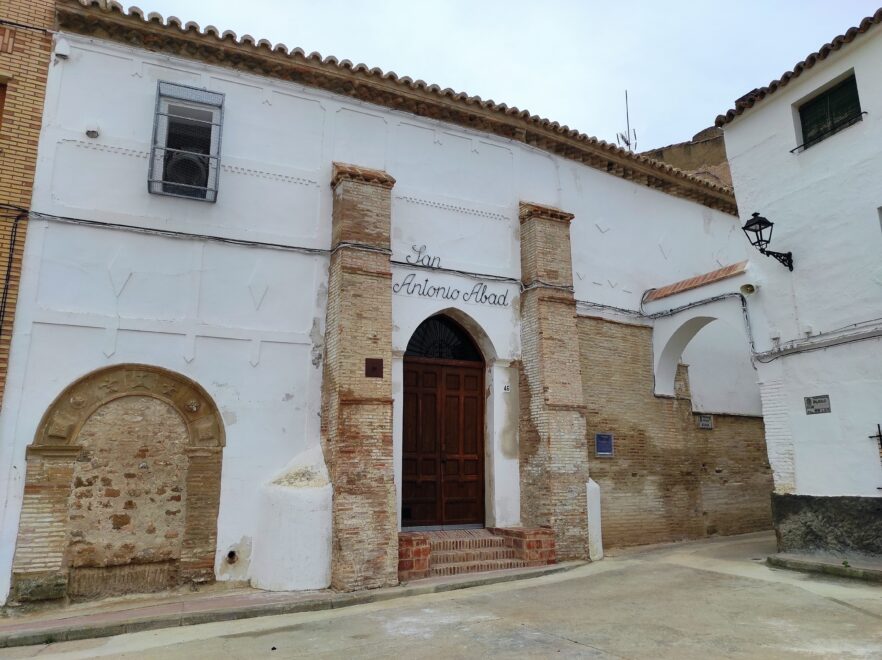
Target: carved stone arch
41,567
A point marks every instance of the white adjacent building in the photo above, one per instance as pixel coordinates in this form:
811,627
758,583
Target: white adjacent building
806,154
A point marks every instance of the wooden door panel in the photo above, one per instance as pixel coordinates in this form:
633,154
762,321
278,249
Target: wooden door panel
463,484
427,426
421,471
470,430
443,476
472,382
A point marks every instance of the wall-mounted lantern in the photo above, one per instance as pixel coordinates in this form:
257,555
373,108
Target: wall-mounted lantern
759,232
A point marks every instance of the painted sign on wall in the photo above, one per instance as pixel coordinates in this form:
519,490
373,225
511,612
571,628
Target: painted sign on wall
413,285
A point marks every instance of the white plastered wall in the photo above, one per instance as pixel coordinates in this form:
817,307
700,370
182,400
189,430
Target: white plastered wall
825,204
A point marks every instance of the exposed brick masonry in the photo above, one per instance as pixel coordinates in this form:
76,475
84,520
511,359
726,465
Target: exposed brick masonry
357,410
24,62
669,480
434,554
128,504
553,455
109,460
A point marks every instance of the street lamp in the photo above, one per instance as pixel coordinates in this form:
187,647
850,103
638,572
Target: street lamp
759,232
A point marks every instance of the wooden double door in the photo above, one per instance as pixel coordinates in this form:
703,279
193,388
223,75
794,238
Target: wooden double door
443,452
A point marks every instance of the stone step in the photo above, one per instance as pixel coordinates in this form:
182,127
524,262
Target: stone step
476,554
460,568
473,543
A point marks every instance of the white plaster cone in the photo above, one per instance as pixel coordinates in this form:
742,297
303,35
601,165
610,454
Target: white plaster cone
292,547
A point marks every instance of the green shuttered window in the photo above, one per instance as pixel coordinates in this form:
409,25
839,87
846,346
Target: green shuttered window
830,112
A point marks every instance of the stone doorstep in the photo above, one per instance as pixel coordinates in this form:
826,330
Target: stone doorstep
451,545
198,609
458,568
423,555
481,554
869,570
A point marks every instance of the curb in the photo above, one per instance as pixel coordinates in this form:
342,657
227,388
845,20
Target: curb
335,601
811,566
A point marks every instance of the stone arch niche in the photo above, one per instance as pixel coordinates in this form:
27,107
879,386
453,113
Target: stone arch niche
122,488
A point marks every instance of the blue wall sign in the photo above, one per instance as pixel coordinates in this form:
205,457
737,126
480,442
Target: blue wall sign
603,444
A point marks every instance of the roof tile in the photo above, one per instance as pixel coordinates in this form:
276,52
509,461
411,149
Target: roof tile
109,20
750,99
698,281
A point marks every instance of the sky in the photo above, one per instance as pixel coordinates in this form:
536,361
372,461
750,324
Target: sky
683,62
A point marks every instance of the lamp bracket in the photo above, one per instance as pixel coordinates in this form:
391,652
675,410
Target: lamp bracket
785,258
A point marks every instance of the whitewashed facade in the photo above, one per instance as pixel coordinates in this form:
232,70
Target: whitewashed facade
822,321
232,294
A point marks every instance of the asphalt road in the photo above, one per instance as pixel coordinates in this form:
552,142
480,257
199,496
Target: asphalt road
710,599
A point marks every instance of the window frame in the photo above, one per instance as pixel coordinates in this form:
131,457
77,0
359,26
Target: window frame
175,94
824,93
4,89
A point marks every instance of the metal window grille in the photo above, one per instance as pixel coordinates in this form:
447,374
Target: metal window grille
185,158
830,112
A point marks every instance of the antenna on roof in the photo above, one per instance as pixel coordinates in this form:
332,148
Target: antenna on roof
628,139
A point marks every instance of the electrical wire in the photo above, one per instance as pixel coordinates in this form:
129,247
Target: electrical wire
763,358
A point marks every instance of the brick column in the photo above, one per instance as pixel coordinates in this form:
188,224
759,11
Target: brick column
203,501
357,382
553,447
39,570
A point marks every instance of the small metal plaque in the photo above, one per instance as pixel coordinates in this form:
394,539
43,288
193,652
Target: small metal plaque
373,367
603,444
706,422
816,405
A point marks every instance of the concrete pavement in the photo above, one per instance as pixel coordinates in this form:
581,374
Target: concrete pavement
706,599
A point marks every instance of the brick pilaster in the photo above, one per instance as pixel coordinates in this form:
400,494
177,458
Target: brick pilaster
39,570
553,449
357,407
24,62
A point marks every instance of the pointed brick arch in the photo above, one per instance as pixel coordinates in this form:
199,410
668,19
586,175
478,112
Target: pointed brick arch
40,568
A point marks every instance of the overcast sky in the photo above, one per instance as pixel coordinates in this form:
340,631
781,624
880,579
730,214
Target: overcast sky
683,62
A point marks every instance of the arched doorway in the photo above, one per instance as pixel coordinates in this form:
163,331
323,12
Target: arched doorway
122,488
443,443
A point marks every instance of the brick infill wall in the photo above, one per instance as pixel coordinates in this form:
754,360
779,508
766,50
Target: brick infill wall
668,479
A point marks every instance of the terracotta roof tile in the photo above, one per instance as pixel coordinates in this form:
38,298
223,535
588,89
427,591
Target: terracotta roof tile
109,20
750,99
699,280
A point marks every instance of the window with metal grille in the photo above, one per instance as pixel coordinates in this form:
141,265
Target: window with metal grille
443,338
185,160
830,112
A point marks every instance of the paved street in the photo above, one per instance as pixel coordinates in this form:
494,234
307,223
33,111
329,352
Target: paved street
697,600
